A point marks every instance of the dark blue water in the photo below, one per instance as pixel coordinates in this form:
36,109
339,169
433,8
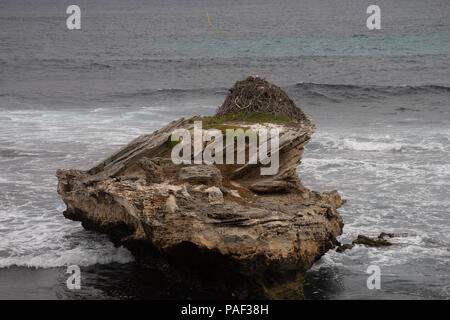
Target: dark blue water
380,100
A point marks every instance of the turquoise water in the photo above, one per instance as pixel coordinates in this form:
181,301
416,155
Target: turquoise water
352,45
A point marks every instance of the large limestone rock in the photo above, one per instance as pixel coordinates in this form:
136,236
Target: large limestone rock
224,226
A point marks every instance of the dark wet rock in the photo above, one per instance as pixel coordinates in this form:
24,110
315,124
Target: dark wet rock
379,242
344,247
383,235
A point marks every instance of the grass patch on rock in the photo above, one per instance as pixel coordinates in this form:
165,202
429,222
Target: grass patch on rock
251,117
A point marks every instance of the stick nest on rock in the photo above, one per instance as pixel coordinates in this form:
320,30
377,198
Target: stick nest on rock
256,94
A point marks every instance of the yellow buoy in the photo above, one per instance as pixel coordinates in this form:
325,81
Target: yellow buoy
207,16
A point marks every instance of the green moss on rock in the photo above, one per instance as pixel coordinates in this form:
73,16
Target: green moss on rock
252,117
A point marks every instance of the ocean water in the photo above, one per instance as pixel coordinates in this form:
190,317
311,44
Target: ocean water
380,100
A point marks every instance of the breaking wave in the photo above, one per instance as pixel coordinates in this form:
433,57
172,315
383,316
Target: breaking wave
341,92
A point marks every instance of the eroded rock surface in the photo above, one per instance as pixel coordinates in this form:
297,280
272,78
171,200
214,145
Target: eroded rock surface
254,236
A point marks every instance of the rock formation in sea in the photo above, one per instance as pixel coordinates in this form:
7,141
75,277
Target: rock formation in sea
219,225
380,241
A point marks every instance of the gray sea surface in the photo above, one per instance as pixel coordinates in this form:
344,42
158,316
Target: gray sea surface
380,100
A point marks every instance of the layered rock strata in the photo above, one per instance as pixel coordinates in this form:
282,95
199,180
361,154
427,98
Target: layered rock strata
224,225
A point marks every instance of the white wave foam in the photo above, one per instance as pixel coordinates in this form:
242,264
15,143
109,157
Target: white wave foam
35,236
79,256
370,146
380,143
